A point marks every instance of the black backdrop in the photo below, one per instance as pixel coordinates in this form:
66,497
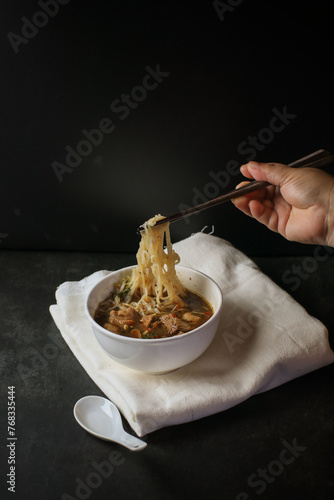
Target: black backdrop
201,84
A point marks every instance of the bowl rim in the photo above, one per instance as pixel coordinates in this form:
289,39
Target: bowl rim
175,338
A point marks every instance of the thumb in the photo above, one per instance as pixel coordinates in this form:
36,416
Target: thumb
274,173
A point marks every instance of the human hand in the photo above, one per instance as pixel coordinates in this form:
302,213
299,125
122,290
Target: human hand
299,204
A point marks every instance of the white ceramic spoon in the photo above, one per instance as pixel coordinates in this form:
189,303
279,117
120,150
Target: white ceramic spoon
101,417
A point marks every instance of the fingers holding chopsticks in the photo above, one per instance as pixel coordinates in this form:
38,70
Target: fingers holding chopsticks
268,206
257,204
298,204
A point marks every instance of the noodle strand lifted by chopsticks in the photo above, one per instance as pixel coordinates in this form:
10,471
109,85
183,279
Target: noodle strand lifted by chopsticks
154,285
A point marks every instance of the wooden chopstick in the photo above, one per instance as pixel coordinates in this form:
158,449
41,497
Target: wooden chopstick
317,159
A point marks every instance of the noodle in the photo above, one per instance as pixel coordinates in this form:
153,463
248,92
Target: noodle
154,285
152,302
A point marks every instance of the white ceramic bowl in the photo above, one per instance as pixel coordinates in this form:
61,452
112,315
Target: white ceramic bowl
157,355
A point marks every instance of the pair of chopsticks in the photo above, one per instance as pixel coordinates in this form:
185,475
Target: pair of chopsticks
317,159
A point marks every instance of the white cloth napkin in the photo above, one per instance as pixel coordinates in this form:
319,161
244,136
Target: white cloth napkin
265,338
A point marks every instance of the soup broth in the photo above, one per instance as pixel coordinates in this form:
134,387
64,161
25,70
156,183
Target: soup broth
117,316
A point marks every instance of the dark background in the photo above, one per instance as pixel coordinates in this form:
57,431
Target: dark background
225,78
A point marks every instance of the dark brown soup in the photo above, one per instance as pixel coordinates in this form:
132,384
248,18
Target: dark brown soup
130,323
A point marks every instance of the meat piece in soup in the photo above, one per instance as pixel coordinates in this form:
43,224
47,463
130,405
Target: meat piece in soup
174,324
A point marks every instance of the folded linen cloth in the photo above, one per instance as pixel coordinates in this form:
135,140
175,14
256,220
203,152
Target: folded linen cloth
265,338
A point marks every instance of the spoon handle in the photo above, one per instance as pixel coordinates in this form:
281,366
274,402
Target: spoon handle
131,442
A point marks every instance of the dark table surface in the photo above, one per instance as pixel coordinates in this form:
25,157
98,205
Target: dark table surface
237,454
